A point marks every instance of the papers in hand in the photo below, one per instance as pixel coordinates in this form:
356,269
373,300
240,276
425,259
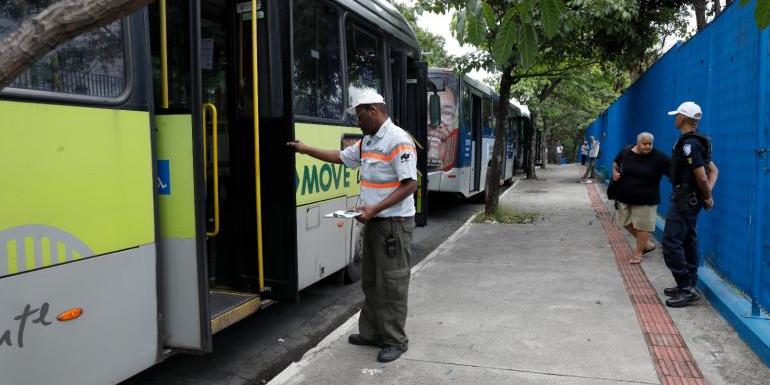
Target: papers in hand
347,214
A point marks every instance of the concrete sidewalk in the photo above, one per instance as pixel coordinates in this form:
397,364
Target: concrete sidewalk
542,303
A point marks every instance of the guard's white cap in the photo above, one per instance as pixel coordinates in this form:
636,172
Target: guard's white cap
688,109
368,96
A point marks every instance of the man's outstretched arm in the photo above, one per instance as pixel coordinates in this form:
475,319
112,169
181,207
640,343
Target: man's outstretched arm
331,156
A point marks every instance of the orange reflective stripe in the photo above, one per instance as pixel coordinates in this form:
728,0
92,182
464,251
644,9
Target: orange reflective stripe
368,184
376,155
400,149
393,154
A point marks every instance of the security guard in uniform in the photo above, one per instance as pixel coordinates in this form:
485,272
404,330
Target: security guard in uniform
388,161
693,175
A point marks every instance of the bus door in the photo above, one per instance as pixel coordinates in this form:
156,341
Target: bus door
417,115
239,190
409,79
476,143
181,188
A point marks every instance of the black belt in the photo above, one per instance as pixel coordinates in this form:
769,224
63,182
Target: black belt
393,219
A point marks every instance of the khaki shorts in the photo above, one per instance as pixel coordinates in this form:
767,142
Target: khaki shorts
640,217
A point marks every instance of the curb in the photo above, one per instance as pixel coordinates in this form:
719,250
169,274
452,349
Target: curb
293,369
736,309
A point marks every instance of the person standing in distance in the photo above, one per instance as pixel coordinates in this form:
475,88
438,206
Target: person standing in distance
388,161
593,153
583,153
693,176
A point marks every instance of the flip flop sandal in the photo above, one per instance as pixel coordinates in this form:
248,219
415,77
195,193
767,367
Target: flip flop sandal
634,261
649,250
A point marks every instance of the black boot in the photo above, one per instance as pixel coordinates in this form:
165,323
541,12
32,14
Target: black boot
672,291
390,353
685,297
357,339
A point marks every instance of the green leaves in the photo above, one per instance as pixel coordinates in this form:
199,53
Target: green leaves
506,38
477,22
476,30
762,13
551,12
527,44
460,27
489,15
524,8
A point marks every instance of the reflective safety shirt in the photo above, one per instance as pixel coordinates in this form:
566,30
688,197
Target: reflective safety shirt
386,158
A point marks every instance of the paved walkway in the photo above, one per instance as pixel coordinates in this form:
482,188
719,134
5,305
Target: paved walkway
542,303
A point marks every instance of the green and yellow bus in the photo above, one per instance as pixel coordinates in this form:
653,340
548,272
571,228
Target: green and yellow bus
148,199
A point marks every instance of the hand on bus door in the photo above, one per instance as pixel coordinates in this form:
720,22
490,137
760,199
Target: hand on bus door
298,146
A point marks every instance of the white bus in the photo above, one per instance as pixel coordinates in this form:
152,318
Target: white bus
461,134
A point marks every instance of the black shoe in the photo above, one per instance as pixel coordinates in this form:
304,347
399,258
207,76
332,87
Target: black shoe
684,298
390,353
672,291
357,339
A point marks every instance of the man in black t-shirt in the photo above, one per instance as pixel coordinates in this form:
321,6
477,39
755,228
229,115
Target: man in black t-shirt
693,176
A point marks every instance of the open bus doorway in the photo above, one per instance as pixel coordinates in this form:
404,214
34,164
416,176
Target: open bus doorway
237,276
476,142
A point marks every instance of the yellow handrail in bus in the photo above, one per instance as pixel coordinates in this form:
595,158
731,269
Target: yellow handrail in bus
163,56
255,82
214,159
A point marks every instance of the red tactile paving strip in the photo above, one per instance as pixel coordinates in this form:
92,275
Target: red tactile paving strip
673,361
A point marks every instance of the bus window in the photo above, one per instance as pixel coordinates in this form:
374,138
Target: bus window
317,64
486,109
92,64
365,62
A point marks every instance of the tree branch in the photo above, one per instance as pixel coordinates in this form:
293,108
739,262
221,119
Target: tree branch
556,72
55,25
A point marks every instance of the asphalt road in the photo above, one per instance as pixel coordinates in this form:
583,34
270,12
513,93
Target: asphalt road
259,347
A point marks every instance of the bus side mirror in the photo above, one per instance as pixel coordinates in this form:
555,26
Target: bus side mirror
435,110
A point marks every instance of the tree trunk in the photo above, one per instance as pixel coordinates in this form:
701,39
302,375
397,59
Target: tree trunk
501,133
700,13
532,145
57,24
717,8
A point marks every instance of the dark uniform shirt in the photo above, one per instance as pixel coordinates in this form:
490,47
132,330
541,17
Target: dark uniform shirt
687,157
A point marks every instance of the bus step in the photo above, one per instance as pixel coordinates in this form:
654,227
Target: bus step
266,303
228,307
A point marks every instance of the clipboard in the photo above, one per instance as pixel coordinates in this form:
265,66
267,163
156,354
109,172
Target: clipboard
343,214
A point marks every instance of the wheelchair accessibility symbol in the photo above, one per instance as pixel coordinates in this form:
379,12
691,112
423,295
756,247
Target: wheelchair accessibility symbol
163,181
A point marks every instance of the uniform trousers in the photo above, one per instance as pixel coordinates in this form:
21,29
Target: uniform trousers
680,244
385,280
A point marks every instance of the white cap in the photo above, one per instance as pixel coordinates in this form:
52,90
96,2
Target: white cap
368,96
688,109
